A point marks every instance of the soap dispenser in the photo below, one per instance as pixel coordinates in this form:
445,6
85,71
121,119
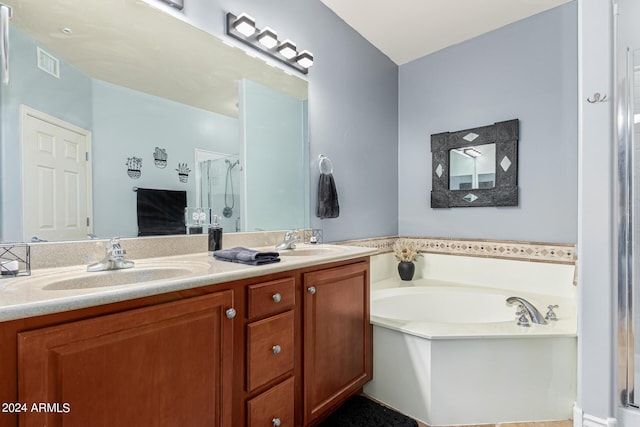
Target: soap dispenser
215,236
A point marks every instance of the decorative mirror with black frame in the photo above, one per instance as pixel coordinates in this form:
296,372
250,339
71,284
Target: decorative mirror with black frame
475,167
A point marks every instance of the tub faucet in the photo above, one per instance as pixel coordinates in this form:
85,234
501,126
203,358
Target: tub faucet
113,259
534,314
289,241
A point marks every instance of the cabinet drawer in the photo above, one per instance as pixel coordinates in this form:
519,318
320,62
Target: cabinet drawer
271,297
273,407
269,349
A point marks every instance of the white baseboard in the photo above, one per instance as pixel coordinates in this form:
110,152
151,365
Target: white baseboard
580,419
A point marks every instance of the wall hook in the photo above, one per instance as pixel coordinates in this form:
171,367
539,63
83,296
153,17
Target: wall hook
325,161
596,98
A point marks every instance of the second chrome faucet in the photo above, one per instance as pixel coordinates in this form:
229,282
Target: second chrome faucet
289,241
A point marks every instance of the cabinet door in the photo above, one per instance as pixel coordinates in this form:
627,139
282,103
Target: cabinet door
337,337
164,365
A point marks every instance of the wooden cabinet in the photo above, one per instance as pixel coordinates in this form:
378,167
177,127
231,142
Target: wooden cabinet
299,346
337,337
271,353
165,365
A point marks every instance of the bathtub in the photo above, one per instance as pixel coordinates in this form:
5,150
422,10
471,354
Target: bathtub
452,354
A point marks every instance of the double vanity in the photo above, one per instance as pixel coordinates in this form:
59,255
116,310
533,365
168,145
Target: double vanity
187,340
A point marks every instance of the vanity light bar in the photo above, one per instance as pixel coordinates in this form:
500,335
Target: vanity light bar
288,49
243,28
473,152
268,38
305,59
245,25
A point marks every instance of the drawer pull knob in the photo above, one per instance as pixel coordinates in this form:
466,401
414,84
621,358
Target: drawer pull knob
231,313
311,290
276,422
277,297
276,349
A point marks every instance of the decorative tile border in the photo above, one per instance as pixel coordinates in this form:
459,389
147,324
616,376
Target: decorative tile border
504,249
383,244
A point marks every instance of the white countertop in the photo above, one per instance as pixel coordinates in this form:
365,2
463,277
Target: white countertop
28,296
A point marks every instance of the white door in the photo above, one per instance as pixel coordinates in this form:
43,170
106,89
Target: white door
56,176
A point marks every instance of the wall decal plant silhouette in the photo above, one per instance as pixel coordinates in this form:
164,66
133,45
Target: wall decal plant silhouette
134,167
183,172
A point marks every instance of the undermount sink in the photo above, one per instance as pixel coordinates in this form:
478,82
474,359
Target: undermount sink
137,274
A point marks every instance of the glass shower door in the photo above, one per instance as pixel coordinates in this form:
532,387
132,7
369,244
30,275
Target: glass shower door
634,218
219,185
629,223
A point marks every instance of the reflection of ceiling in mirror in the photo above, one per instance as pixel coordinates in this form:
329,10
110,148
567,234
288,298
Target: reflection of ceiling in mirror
132,44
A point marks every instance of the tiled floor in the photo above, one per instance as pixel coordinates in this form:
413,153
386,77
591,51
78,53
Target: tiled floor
566,423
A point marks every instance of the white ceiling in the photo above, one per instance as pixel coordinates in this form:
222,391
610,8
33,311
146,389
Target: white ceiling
132,44
405,30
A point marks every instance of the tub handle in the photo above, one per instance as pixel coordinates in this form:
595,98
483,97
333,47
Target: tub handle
523,320
551,315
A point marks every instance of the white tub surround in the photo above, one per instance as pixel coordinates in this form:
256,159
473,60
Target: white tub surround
439,310
448,351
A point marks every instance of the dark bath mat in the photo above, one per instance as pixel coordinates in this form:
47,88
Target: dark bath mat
359,411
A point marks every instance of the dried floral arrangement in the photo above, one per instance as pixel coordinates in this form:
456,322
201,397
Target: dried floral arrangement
406,251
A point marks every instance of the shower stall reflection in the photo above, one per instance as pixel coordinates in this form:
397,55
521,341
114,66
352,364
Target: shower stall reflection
219,184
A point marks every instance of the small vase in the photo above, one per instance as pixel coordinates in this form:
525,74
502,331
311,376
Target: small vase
406,270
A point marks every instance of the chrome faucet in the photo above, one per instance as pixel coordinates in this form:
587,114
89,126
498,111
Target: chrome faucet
113,259
534,314
289,241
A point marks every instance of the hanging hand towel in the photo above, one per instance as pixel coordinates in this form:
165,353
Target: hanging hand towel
160,212
328,206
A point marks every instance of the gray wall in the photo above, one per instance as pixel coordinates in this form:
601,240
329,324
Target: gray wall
527,70
596,254
596,287
352,108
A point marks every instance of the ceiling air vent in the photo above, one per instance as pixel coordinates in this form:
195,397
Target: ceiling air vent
48,63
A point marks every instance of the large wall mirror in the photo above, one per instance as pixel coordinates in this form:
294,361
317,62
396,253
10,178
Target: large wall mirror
105,100
476,167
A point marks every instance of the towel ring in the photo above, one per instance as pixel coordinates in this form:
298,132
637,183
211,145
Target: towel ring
324,160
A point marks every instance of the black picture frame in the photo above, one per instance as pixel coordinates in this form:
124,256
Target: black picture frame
505,192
